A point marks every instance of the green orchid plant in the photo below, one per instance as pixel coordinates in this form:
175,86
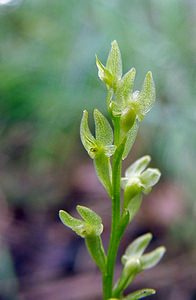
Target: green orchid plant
108,147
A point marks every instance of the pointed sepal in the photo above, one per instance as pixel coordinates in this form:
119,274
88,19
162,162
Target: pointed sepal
88,140
114,61
91,218
146,97
103,130
125,88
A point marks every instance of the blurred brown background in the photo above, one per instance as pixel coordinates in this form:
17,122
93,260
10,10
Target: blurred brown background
47,77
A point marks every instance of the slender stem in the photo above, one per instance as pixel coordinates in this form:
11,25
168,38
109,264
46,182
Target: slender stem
116,214
122,284
116,122
113,245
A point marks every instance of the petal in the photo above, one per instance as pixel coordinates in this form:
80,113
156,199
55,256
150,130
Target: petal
152,259
78,226
68,220
137,247
138,166
150,177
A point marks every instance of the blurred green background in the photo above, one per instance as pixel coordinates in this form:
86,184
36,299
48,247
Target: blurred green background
48,76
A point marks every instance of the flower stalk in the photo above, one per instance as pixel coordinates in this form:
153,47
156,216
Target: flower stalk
108,148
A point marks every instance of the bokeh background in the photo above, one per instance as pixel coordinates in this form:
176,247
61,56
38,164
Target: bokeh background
47,77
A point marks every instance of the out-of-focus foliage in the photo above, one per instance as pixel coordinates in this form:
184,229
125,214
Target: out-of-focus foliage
46,76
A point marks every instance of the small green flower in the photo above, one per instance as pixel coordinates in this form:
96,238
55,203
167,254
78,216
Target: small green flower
89,225
134,262
90,228
100,148
103,140
134,253
132,106
138,179
112,72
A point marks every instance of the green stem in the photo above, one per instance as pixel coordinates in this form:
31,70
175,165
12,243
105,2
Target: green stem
116,122
122,284
116,214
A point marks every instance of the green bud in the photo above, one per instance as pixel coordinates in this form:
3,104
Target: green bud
151,259
128,118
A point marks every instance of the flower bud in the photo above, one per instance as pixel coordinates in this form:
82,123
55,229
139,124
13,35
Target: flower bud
128,117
